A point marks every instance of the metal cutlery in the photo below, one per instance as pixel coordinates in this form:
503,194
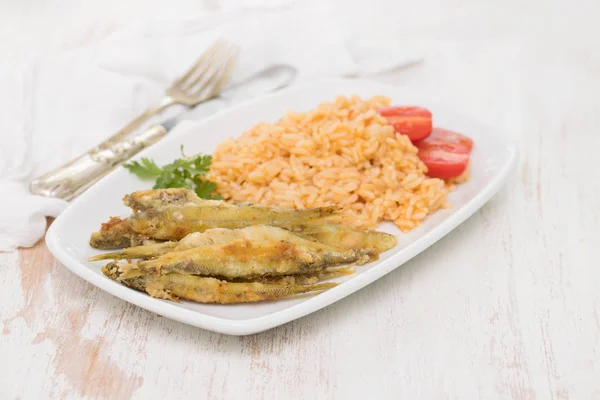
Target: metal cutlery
203,81
264,81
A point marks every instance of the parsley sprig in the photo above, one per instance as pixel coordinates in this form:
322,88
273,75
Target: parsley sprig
185,172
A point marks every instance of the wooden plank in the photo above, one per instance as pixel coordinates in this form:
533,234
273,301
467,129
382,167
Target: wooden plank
506,307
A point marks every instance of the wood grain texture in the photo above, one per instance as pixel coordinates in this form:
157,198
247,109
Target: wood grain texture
505,307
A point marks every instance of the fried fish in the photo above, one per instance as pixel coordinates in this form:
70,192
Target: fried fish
245,259
346,237
175,222
172,214
116,233
209,290
257,235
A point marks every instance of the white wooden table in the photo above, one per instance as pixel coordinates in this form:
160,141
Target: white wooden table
505,307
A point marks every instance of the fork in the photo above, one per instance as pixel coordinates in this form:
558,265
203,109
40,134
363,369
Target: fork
203,81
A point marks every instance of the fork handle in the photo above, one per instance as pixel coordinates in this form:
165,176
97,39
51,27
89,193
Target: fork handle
71,179
131,127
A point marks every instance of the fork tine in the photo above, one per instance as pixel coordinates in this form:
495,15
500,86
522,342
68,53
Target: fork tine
217,63
208,66
225,75
201,73
219,76
202,62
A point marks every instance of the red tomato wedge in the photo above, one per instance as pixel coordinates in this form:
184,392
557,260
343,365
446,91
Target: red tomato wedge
414,122
446,140
443,164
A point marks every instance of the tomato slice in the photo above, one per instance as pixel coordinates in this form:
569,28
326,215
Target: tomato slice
414,122
441,145
446,140
443,164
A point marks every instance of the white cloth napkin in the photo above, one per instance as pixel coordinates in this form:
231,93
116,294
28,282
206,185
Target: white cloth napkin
57,107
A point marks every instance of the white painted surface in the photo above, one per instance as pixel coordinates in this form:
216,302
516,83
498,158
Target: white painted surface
507,306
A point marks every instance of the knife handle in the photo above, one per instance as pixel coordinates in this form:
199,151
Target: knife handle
74,177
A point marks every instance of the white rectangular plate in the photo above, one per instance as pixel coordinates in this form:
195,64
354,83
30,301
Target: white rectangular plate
492,159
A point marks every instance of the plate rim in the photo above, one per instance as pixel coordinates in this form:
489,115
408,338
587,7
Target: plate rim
262,323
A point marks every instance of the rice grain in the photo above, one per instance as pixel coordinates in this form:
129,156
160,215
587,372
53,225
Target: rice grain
340,153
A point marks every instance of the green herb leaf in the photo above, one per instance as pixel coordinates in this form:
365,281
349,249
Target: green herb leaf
183,172
145,169
205,189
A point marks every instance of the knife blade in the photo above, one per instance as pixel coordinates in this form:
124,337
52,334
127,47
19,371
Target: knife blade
265,81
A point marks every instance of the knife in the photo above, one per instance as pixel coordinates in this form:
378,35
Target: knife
104,161
265,81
